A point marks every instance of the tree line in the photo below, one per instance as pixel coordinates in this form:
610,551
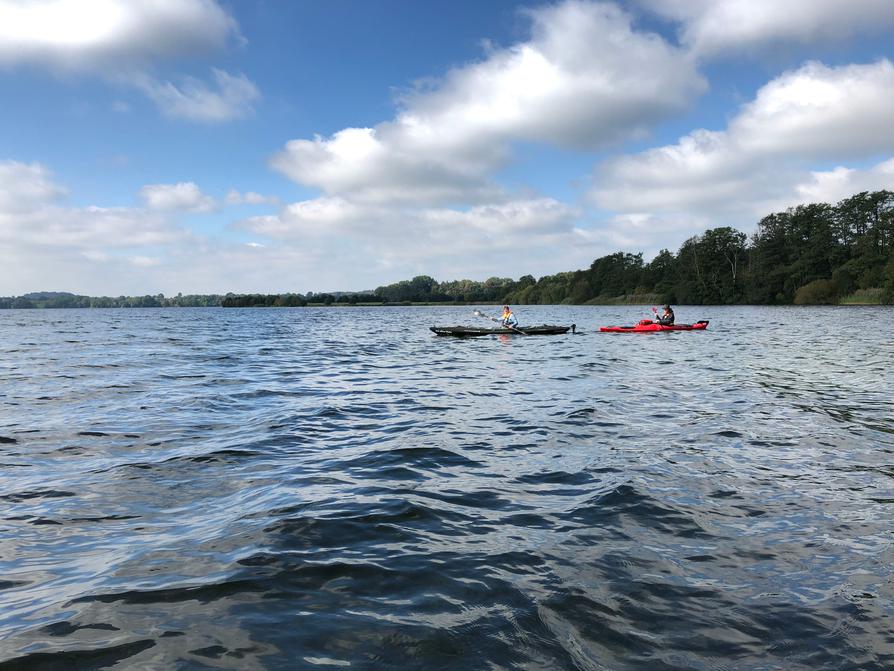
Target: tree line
297,300
809,254
62,299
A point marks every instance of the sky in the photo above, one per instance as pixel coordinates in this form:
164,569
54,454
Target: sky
271,146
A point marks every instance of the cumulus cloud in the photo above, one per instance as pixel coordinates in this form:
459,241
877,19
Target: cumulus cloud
710,27
145,261
818,111
381,242
814,113
830,186
542,216
320,215
182,196
418,192
121,41
32,214
323,216
24,187
89,227
47,244
228,97
584,79
235,197
101,35
646,232
373,166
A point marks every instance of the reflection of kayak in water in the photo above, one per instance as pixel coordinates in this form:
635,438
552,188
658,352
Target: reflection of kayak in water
474,331
648,326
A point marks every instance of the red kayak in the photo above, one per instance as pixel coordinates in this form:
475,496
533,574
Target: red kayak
648,326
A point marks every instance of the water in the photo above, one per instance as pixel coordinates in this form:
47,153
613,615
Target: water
339,488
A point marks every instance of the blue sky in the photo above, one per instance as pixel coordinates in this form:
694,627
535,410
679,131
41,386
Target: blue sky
202,146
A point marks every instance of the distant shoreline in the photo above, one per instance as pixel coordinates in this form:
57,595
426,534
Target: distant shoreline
432,304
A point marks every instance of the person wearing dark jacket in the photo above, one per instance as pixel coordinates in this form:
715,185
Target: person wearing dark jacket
667,317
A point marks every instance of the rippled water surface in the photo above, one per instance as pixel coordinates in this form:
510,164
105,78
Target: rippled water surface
339,488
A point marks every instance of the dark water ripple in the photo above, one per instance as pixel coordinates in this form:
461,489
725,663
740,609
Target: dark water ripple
338,488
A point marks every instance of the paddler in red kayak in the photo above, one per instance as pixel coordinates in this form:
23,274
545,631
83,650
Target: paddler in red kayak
667,317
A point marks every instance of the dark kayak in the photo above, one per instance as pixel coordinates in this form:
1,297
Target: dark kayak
648,326
475,331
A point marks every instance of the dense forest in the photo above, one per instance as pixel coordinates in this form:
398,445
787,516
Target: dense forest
810,254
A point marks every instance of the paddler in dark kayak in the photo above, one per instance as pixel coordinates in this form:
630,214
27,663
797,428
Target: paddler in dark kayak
508,319
667,317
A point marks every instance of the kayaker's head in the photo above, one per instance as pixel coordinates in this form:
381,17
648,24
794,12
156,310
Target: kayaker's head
667,307
506,308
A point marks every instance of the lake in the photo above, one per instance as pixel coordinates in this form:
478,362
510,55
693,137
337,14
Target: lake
329,488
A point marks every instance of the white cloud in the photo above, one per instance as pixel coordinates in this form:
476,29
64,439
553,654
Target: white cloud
319,217
48,245
543,216
710,27
106,35
323,216
31,214
831,186
818,111
229,97
815,113
89,227
418,193
584,79
45,243
26,186
121,40
182,196
326,216
235,197
646,232
514,237
371,165
317,245
145,261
